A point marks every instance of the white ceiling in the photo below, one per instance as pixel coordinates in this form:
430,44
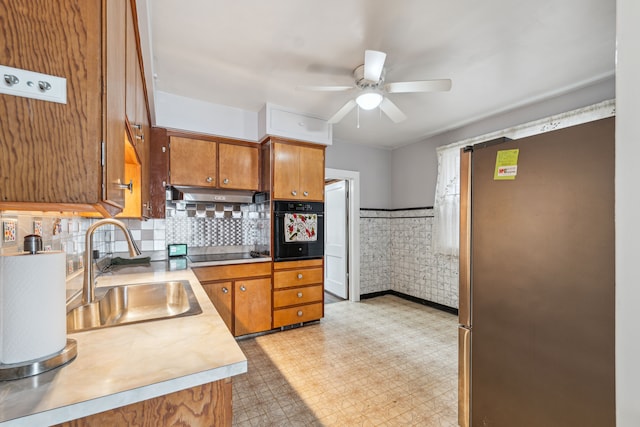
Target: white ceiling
500,54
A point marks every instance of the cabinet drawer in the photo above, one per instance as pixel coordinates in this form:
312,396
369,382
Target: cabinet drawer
303,313
305,263
233,271
299,277
304,295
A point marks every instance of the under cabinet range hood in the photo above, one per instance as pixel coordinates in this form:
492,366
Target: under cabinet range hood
208,195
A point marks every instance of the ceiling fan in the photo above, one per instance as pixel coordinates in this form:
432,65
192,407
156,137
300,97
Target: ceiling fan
369,81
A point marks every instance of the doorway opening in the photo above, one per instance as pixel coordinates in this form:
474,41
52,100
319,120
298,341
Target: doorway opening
342,235
336,244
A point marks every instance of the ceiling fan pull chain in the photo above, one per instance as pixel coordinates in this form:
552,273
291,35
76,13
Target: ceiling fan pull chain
358,117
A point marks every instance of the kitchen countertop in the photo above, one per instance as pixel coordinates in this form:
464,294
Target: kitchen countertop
121,365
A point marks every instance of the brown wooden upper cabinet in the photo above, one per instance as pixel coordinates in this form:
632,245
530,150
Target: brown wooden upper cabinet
137,125
208,163
65,156
238,167
298,171
192,162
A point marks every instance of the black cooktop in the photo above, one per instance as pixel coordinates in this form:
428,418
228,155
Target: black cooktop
224,257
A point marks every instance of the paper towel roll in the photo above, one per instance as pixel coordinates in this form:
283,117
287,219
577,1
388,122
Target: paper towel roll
32,306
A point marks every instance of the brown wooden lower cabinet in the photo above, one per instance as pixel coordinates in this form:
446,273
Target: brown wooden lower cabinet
299,314
220,295
241,293
204,405
252,306
298,292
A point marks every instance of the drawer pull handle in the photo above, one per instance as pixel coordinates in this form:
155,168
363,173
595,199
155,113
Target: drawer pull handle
242,288
209,179
299,275
299,313
226,181
225,290
299,294
294,193
306,193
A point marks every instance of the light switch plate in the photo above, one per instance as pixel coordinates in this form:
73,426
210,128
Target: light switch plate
29,84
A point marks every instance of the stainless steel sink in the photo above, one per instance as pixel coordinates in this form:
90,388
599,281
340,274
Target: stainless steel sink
126,304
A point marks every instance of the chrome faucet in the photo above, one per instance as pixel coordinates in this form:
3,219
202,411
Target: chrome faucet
89,282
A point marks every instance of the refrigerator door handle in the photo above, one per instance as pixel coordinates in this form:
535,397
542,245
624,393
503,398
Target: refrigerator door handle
464,305
464,377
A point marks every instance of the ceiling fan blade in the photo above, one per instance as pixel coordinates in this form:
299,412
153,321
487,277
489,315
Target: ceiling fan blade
441,85
325,88
392,110
346,108
373,64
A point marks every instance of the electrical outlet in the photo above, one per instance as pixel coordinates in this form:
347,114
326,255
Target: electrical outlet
29,84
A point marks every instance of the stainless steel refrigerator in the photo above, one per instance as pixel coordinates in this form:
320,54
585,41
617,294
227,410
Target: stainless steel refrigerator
536,315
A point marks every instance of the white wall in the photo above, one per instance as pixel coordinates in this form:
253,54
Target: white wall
374,165
627,214
414,167
178,112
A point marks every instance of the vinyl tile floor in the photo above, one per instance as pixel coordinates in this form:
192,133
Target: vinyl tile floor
384,361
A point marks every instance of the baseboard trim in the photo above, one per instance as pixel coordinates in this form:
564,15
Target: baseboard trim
411,298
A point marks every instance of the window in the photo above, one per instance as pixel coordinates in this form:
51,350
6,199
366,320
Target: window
446,227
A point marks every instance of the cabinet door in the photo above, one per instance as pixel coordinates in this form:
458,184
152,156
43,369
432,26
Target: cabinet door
192,162
132,173
131,67
114,129
50,153
143,144
252,306
238,166
220,295
158,142
311,173
286,158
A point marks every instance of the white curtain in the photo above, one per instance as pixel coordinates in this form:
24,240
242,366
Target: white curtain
446,226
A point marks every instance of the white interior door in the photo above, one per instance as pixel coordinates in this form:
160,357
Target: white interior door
335,248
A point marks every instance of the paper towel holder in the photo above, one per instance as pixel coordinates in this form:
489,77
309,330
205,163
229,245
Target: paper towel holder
33,243
30,368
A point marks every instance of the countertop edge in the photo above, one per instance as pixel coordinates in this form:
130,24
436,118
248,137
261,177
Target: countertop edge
117,400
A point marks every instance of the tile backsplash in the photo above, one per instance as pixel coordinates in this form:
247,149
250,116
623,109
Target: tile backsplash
396,254
246,225
218,224
59,233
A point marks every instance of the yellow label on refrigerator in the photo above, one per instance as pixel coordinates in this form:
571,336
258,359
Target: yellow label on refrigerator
506,165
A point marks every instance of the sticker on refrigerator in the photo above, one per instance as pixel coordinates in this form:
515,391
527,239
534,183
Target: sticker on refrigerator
506,165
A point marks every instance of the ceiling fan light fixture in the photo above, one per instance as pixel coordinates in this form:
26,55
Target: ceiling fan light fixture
369,100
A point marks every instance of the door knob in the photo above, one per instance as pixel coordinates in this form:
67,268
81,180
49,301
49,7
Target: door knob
299,313
209,179
294,193
225,290
299,275
242,288
306,193
299,294
225,181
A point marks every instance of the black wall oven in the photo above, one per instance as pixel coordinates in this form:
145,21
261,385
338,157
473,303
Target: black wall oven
298,230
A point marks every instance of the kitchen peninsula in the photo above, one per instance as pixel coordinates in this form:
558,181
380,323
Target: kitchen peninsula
138,368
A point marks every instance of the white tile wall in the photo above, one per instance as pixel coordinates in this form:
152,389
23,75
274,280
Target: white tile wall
396,255
375,259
